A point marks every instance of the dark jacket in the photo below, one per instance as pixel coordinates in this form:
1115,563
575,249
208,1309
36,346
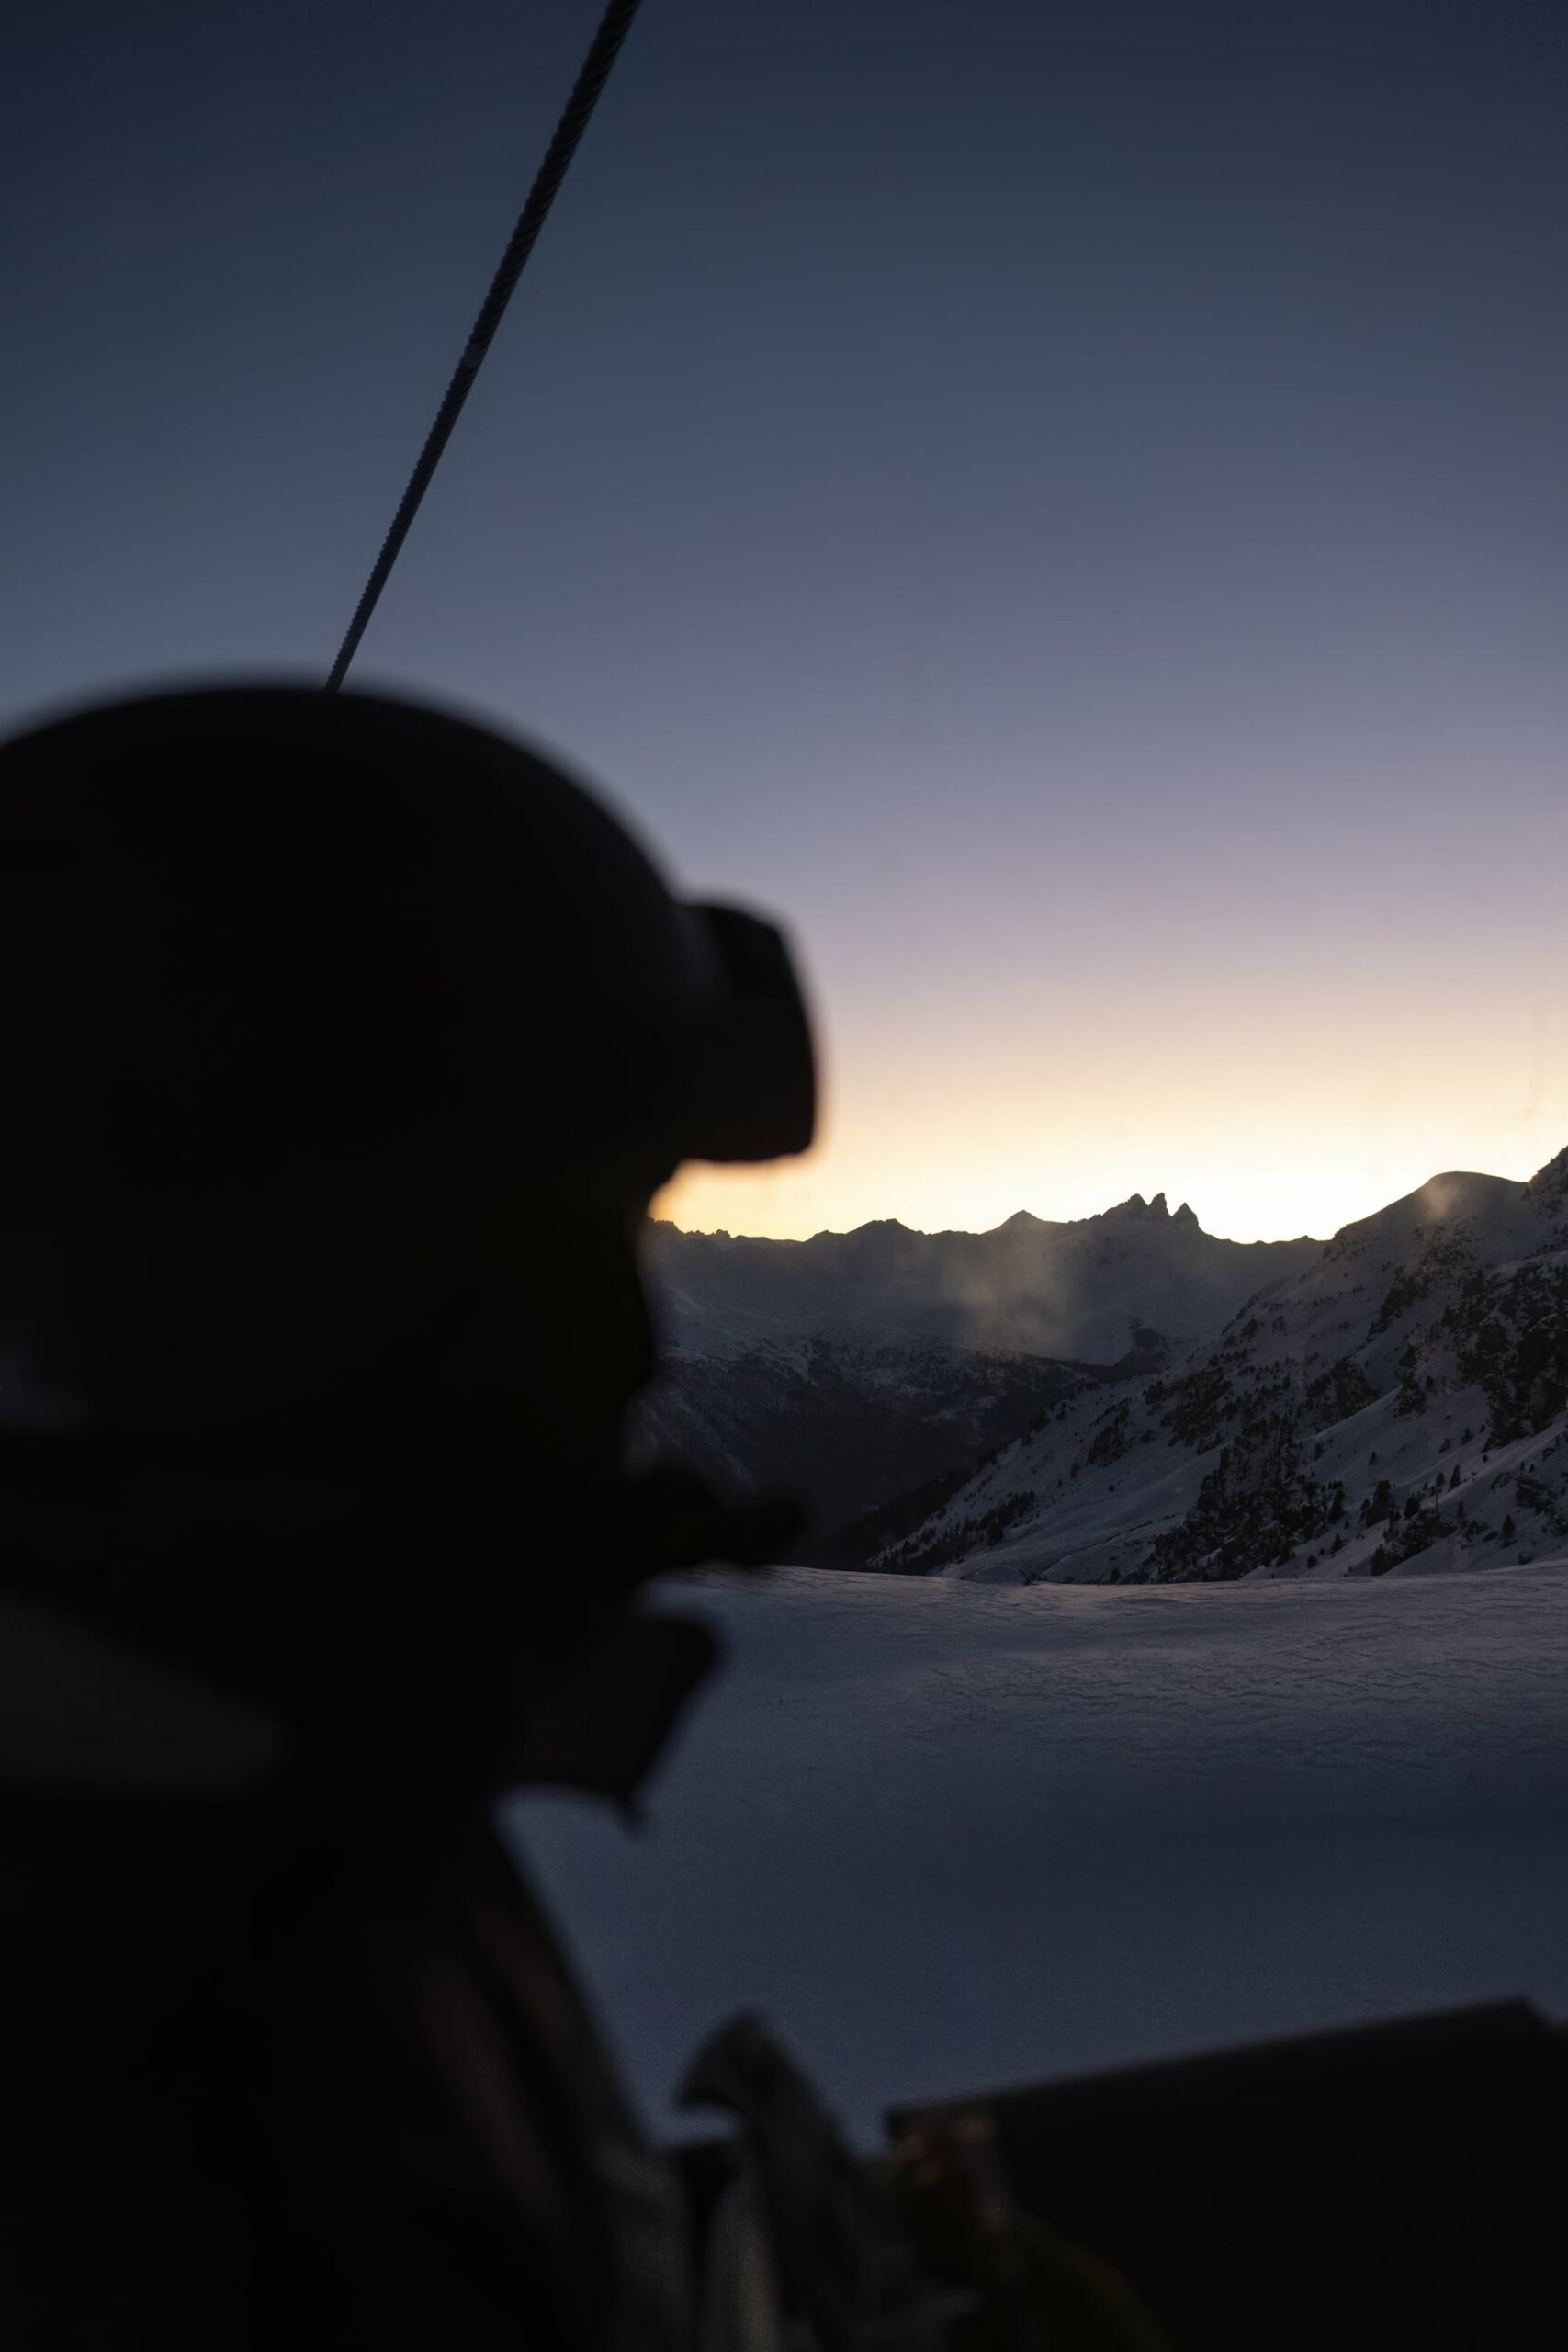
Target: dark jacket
289,2052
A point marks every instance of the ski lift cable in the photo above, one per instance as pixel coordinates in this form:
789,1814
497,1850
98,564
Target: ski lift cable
613,29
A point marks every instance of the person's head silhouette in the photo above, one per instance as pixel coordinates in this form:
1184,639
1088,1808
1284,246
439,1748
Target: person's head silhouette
344,1045
308,998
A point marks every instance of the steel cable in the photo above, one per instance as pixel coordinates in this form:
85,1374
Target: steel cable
614,27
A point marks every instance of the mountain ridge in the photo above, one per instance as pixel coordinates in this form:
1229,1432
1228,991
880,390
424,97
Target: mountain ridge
1135,1203
1071,1289
1398,1406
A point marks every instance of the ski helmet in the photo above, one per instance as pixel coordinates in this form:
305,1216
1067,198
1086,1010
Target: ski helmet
236,918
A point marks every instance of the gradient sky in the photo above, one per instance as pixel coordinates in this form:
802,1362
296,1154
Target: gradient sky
1068,501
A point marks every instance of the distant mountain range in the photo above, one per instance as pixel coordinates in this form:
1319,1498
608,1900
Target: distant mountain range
856,1368
1085,1290
1128,1397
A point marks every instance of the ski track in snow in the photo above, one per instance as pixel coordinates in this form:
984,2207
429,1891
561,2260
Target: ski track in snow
947,1835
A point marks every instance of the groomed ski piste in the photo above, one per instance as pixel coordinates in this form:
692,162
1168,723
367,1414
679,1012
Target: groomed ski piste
947,1836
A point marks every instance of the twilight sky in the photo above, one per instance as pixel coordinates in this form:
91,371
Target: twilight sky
1068,501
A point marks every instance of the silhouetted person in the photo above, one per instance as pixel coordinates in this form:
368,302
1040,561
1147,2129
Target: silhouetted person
344,1045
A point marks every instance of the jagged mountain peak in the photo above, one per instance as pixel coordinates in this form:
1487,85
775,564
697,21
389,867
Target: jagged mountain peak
1155,1212
1133,1210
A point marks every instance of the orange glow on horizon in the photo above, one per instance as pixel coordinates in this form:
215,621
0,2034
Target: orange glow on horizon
821,1192
1308,1155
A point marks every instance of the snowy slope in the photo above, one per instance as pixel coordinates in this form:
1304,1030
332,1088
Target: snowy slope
1398,1404
949,1837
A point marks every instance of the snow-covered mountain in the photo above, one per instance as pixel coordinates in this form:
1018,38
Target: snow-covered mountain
868,1374
1398,1404
1087,1290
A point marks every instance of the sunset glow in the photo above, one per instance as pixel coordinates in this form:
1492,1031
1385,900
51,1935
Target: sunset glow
1090,554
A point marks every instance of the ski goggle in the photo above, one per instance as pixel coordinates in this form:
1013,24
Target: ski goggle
758,1095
